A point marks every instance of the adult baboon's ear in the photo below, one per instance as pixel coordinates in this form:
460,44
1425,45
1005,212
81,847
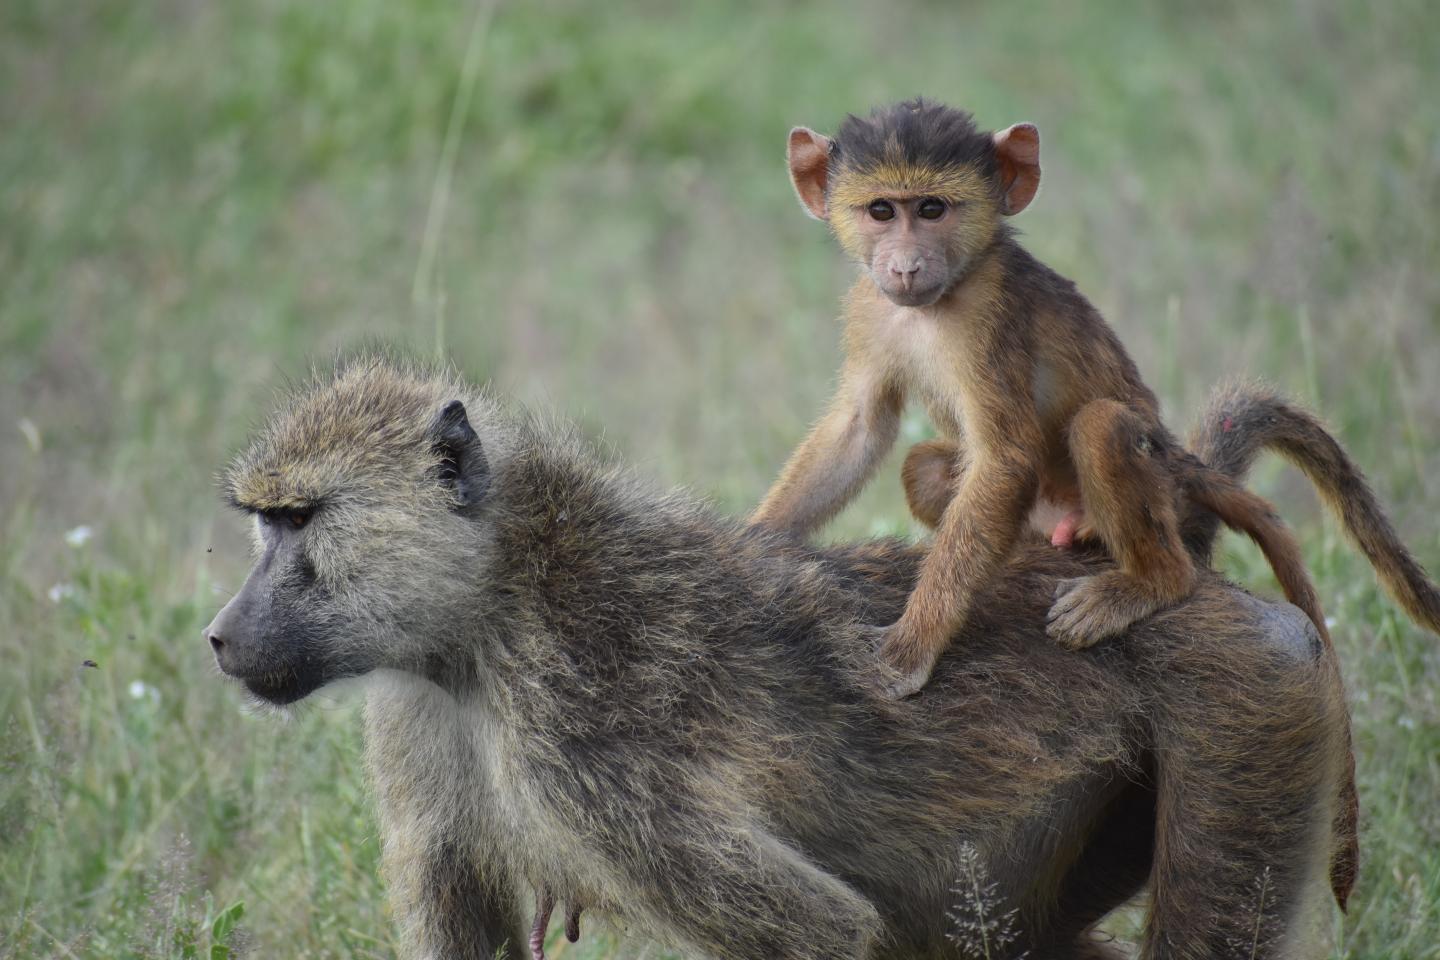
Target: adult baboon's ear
463,467
809,157
1018,150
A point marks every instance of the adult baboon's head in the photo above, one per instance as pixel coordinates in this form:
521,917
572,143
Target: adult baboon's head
369,492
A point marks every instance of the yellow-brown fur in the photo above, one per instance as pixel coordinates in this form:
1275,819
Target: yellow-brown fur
952,312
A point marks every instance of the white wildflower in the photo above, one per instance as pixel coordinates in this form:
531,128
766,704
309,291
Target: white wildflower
140,690
60,592
79,536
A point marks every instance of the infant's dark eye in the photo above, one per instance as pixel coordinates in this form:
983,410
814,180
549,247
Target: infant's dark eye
931,209
881,209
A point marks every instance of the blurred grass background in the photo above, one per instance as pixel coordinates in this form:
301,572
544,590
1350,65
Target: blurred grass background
197,199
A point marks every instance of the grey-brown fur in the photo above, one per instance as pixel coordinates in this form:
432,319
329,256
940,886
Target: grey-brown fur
579,684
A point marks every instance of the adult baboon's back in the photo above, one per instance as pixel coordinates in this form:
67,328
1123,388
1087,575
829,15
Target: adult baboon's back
581,684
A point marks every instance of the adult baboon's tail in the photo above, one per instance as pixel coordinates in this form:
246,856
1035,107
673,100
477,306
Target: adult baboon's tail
1243,419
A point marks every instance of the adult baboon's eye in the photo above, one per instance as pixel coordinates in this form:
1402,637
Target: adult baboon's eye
298,519
931,209
881,209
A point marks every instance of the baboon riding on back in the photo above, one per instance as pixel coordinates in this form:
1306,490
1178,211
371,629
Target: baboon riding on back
580,685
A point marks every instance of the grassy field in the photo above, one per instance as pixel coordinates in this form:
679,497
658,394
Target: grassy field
586,204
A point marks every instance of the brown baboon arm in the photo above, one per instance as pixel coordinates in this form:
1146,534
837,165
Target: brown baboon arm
977,533
836,459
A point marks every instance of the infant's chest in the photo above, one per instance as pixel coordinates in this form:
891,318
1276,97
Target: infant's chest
914,346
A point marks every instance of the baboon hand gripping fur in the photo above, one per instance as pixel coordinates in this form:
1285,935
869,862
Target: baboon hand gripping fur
951,311
581,687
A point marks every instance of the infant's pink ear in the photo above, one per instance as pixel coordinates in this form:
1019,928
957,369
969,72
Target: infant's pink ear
809,157
1018,150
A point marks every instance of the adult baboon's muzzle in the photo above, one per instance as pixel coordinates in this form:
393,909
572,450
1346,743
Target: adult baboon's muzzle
251,644
232,635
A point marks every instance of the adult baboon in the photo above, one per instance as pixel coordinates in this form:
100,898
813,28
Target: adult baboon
580,685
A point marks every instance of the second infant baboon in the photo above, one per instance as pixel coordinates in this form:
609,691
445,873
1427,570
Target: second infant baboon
949,309
579,686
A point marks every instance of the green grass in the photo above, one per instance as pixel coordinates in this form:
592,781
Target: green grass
197,199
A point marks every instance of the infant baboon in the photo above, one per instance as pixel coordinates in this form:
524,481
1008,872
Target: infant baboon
582,687
1027,384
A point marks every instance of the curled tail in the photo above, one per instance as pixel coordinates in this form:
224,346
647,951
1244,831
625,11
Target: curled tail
1242,420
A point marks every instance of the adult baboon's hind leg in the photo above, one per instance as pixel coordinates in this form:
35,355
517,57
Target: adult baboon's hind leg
1251,755
1234,889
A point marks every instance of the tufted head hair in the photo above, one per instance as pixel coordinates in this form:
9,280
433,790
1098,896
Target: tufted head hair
360,433
917,147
